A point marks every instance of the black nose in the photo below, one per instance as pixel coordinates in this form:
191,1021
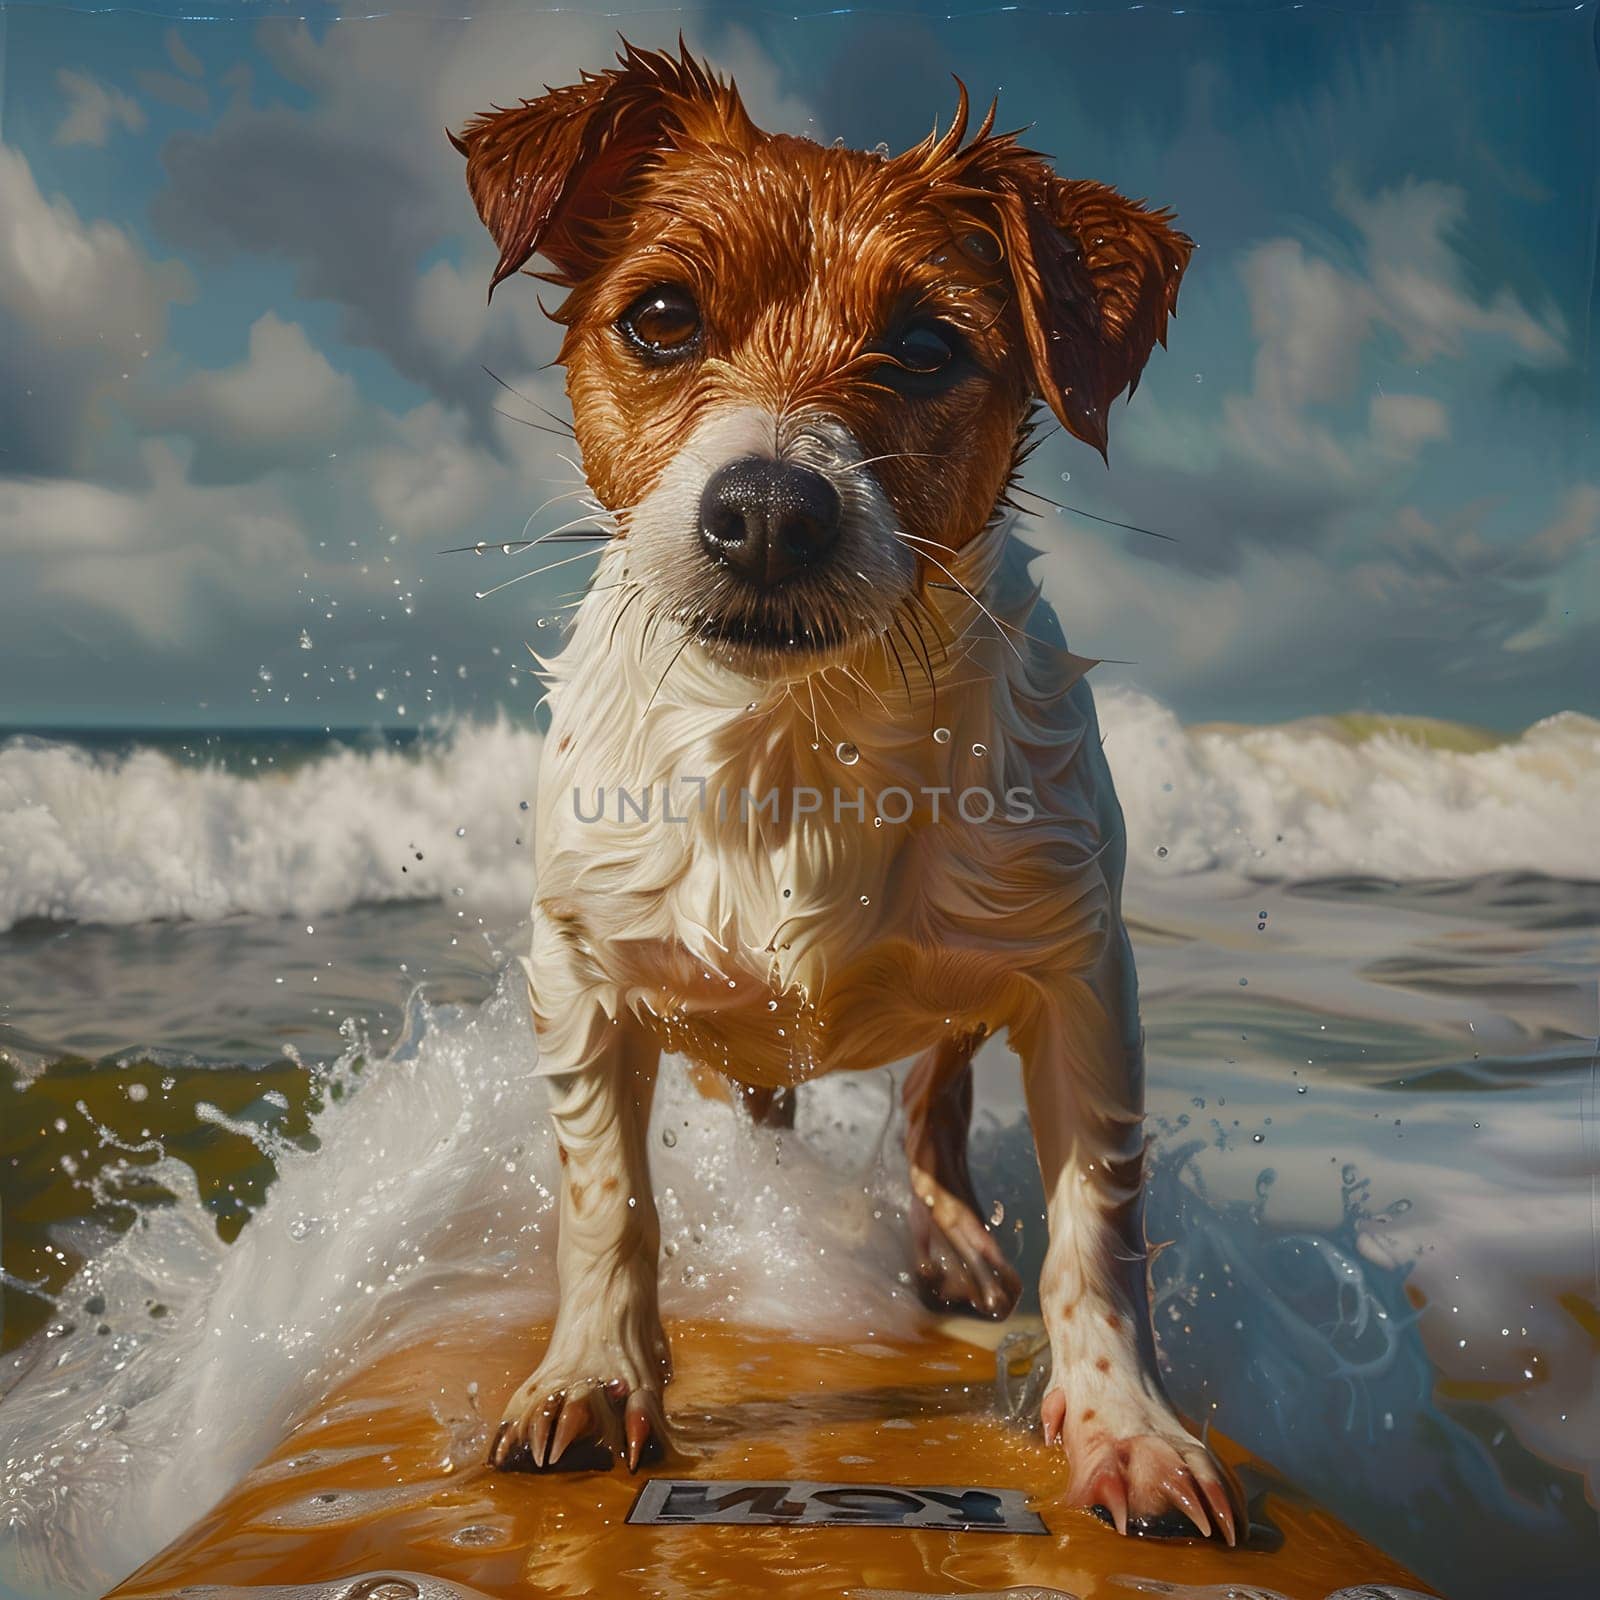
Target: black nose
768,520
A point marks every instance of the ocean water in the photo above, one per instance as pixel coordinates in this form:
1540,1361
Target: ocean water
265,1104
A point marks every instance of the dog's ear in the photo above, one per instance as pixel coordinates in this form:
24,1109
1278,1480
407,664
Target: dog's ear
1096,277
548,174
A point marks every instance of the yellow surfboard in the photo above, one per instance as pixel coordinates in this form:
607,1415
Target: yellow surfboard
381,1493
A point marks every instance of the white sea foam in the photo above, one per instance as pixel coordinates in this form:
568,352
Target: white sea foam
430,1195
138,836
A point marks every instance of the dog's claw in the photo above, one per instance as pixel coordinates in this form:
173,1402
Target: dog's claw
960,1265
1107,1491
543,1423
639,1427
576,1418
1218,1498
1150,1479
1052,1413
1181,1489
579,1426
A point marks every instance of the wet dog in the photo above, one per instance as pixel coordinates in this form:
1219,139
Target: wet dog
842,793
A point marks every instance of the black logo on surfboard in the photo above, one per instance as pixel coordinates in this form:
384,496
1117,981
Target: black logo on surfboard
835,1505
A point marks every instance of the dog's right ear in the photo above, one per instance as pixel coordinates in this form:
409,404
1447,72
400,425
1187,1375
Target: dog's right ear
547,175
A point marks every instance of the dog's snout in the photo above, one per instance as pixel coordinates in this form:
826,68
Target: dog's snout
767,519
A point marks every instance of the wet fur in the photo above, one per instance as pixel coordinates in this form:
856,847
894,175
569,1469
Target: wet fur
776,948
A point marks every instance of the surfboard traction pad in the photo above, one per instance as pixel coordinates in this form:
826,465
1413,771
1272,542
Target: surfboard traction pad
381,1493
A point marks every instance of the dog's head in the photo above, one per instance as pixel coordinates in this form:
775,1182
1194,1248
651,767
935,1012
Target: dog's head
801,374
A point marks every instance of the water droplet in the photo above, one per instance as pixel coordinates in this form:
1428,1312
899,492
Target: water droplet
980,750
264,674
847,753
866,900
941,736
1161,850
461,833
1244,983
305,640
669,1138
997,1214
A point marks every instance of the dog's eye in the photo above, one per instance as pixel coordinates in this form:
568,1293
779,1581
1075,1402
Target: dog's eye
923,347
982,246
922,355
663,322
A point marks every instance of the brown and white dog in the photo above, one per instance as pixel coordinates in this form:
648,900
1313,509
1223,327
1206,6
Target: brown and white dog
802,379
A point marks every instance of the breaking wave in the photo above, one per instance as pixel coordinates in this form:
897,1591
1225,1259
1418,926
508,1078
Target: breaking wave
141,834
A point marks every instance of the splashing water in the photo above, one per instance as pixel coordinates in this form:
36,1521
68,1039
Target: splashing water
426,1192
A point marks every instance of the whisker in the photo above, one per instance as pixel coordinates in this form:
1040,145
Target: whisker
560,527
811,685
528,422
896,455
922,538
918,604
582,555
517,546
969,594
555,499
855,677
888,645
529,401
688,639
921,660
622,611
1110,522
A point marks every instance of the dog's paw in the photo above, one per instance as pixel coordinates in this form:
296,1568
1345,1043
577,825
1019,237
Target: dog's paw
1148,1477
577,1425
960,1265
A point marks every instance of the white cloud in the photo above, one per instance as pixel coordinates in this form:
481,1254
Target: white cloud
282,405
430,481
1317,325
1400,424
152,555
80,306
1419,603
77,281
92,108
1569,544
356,189
1418,287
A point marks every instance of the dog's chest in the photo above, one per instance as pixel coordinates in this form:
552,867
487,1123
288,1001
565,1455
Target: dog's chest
830,948
765,1017
778,945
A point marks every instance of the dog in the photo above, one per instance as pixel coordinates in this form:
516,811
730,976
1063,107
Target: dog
862,811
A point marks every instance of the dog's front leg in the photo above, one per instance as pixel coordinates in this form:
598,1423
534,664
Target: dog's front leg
598,1389
959,1261
1083,1074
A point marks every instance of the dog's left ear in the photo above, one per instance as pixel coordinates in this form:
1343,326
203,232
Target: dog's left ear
1096,277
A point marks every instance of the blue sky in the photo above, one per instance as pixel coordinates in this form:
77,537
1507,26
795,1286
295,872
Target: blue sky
242,328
